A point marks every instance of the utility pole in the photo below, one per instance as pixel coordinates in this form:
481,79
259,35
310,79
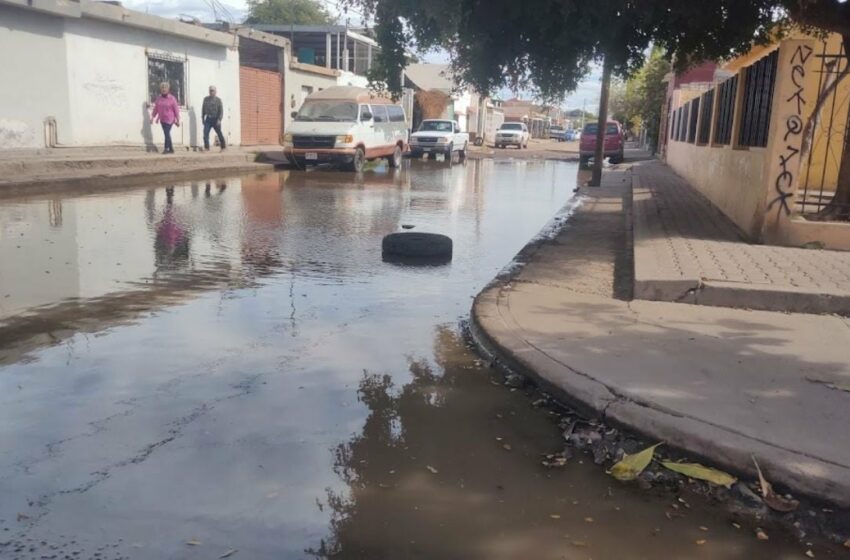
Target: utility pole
601,129
583,112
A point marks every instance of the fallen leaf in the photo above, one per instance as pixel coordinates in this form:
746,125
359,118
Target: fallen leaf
701,542
736,525
630,467
700,472
579,543
194,542
229,553
810,554
588,520
772,499
432,469
761,535
555,516
506,447
703,528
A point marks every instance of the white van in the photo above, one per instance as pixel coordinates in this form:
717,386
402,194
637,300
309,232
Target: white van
347,126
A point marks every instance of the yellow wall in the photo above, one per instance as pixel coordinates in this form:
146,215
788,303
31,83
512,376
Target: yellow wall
733,180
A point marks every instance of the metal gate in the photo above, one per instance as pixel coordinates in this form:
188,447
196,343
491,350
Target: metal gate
261,106
819,176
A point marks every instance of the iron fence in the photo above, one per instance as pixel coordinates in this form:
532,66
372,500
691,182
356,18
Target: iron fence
759,82
830,127
726,92
693,112
706,108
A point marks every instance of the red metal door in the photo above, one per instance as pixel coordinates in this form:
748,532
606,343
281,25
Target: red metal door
260,94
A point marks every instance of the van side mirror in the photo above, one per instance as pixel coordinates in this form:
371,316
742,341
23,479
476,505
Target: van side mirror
294,114
365,116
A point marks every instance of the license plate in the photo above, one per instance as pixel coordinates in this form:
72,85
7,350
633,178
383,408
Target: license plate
311,156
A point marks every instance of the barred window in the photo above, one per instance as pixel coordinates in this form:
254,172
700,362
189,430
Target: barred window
726,92
683,122
167,68
692,123
758,98
706,107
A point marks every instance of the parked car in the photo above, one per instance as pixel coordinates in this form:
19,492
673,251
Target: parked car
612,148
347,126
512,134
556,133
438,136
570,135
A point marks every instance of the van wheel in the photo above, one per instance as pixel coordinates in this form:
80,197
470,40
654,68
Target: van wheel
395,159
358,162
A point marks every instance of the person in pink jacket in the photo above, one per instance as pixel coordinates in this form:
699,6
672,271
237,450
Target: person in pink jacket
167,111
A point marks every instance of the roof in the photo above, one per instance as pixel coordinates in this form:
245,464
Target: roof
430,77
332,29
350,93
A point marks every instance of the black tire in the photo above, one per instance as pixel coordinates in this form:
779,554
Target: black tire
462,154
358,162
417,245
450,154
395,159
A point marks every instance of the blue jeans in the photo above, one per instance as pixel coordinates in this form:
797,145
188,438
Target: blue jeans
166,131
214,125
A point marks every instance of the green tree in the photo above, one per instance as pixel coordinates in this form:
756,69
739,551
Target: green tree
639,99
287,12
550,43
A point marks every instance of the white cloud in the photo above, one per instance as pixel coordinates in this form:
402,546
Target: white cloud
201,9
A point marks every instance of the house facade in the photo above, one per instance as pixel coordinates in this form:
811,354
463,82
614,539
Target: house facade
752,143
84,74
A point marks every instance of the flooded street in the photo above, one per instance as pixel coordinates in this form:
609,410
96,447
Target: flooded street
230,366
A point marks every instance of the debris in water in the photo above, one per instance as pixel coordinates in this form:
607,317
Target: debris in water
506,447
700,472
229,553
555,516
701,542
810,554
630,467
771,498
761,535
432,469
194,542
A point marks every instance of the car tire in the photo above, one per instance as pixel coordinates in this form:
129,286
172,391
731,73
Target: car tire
462,154
450,154
358,162
395,159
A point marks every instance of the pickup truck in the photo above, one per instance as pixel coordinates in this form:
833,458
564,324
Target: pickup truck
437,136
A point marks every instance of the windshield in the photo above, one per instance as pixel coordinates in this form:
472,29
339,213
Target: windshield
591,128
327,111
436,126
512,126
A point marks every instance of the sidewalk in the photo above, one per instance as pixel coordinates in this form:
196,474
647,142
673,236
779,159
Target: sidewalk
720,384
26,171
687,251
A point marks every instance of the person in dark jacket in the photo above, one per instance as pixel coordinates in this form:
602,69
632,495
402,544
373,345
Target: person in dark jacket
211,113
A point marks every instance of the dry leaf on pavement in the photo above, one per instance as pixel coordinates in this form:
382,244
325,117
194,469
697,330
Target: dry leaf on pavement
432,469
700,472
229,553
194,542
630,467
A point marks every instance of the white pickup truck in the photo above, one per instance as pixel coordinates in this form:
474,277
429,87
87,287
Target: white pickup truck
438,137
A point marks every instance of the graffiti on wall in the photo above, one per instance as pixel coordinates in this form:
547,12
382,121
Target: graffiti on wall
784,182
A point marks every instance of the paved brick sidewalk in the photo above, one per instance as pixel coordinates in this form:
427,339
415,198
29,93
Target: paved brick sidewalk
687,251
721,384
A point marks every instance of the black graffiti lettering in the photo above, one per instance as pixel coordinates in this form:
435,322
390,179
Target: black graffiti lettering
798,73
784,181
799,57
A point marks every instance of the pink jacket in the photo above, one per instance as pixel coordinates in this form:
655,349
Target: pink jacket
165,107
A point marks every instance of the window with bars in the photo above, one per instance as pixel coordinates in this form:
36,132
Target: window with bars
726,92
706,108
758,98
167,68
683,122
693,111
674,125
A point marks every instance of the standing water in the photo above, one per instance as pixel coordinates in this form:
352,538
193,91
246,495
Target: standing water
229,369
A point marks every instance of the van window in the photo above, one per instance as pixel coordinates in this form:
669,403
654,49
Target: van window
396,113
380,113
321,110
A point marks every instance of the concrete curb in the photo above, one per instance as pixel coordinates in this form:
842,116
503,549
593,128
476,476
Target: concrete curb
497,334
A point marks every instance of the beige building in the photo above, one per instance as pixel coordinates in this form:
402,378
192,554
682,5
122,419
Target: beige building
751,142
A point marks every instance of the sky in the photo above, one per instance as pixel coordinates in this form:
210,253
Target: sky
587,91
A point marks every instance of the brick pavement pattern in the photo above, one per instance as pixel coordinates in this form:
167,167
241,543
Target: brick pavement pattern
687,251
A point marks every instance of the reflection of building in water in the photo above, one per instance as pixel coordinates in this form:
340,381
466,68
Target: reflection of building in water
262,234
38,255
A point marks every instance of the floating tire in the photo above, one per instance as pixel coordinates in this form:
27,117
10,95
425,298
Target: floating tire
417,245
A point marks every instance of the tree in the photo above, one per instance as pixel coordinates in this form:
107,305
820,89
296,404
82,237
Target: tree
639,99
549,44
287,12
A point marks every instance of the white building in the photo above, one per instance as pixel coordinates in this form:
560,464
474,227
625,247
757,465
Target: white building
463,104
83,73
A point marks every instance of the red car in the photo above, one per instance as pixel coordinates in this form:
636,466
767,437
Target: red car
614,142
